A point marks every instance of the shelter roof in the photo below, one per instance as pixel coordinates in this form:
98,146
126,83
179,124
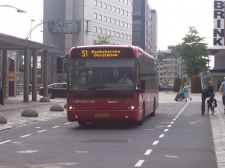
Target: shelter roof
15,43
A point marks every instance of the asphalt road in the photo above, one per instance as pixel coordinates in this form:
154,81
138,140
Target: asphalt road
178,136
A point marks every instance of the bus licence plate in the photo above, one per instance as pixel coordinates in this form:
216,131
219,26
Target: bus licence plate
102,115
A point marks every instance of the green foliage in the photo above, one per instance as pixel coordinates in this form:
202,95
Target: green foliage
103,40
177,83
194,53
196,86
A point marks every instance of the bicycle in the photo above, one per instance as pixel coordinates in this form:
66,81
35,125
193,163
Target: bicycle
211,105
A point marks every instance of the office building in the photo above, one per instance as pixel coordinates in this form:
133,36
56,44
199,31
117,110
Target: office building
169,67
80,22
145,25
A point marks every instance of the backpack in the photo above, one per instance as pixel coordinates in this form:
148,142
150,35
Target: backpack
205,90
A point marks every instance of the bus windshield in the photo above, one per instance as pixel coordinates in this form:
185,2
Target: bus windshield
92,75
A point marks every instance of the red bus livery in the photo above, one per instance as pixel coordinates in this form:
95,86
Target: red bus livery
111,82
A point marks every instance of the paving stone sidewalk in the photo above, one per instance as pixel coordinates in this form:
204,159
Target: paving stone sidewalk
14,106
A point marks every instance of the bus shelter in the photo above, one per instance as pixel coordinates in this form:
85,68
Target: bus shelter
30,49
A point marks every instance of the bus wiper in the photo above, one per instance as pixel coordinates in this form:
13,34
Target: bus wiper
90,89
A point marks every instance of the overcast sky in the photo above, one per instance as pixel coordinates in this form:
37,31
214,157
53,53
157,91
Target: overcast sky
18,24
174,19
176,16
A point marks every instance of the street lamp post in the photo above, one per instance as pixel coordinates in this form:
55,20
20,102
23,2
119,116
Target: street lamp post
18,10
32,20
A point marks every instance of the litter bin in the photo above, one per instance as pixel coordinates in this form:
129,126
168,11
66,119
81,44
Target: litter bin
2,96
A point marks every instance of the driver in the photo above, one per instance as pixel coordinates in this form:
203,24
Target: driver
125,80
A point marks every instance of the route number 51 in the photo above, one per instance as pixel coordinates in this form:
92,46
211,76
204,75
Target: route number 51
84,53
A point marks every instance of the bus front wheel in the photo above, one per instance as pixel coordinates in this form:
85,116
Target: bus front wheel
141,122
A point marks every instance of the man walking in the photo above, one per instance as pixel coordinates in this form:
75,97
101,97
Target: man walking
222,91
208,91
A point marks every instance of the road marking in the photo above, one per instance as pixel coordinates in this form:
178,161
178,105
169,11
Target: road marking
67,123
169,126
161,136
42,130
139,163
81,152
23,136
172,122
5,142
166,130
174,119
148,152
155,143
27,151
56,126
171,156
37,127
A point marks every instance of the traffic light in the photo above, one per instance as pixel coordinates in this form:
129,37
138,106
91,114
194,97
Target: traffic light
59,64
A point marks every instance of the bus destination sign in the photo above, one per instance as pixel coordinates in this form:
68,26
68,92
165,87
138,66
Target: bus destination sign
101,53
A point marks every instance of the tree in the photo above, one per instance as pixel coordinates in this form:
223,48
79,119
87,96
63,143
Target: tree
103,40
194,53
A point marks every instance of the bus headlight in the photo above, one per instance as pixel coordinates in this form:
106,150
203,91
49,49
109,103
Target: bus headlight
131,108
71,107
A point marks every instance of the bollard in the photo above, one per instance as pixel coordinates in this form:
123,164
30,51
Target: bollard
2,96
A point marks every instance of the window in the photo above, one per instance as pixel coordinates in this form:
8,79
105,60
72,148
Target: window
105,6
122,35
129,14
100,17
109,19
122,23
95,29
114,9
100,30
129,3
100,4
95,2
109,7
129,37
104,31
113,33
129,26
117,34
109,32
105,19
95,15
122,11
118,22
118,10
114,21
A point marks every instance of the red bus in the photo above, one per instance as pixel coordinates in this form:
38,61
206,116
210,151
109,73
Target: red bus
96,91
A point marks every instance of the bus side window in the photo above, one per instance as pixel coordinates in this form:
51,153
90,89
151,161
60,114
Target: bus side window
143,85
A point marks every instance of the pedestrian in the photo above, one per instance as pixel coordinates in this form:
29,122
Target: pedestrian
222,91
186,91
208,91
180,93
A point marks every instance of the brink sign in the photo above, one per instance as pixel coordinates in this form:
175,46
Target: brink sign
218,31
